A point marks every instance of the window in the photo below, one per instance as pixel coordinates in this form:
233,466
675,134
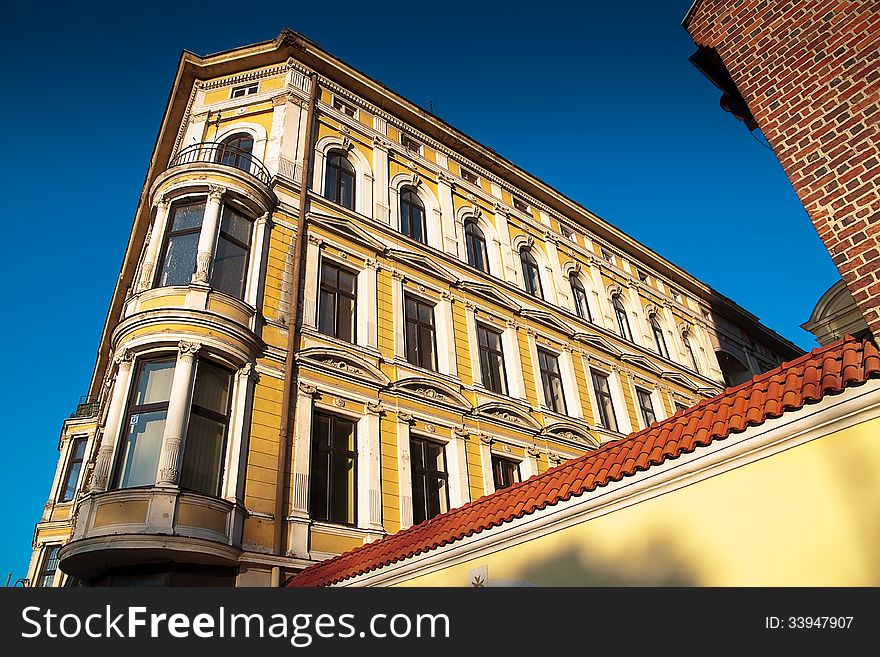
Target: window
646,407
622,321
505,472
339,181
419,333
337,302
430,493
579,294
531,276
244,90
643,275
344,107
236,151
410,144
412,216
491,359
604,401
690,349
333,474
519,204
659,340
206,431
607,256
50,566
470,176
231,255
551,381
74,466
475,242
181,244
568,232
145,419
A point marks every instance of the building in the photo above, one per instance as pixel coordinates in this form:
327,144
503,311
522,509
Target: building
806,73
289,371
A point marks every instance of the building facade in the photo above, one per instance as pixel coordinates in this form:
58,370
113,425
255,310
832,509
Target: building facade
337,317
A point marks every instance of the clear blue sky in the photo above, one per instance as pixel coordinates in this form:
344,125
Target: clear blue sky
636,133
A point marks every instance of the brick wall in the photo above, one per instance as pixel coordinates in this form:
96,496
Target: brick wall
810,74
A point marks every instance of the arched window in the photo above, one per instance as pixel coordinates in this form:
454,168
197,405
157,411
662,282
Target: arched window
475,241
531,276
622,321
412,216
690,349
339,180
579,294
236,151
659,340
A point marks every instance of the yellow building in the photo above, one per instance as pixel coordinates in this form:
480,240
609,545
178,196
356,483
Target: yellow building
288,370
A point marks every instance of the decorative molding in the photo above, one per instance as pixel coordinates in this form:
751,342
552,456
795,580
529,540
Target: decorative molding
307,389
188,349
375,407
403,416
216,192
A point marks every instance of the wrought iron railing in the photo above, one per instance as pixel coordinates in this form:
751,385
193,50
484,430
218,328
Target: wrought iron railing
220,153
87,407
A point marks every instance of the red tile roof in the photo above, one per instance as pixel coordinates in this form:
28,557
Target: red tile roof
791,386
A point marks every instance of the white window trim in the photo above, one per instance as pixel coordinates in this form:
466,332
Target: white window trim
363,186
545,272
254,130
490,235
433,215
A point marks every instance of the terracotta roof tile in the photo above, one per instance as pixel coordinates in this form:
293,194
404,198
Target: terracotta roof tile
828,370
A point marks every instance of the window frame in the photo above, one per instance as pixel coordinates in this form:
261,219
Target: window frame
169,233
246,88
246,154
548,376
408,199
659,338
428,472
329,449
486,376
686,338
472,234
330,159
623,328
221,234
532,285
644,397
604,395
337,292
44,572
498,459
68,469
578,290
419,325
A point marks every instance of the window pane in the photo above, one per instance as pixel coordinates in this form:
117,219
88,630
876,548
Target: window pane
202,455
187,216
154,382
345,330
321,429
180,260
346,281
230,264
320,488
426,313
343,434
412,343
330,183
140,449
346,191
212,388
342,489
77,452
327,313
426,347
420,511
236,225
434,454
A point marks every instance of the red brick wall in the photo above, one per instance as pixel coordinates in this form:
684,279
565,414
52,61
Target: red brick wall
810,74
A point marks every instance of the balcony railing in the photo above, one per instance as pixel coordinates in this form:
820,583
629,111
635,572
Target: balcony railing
87,407
219,153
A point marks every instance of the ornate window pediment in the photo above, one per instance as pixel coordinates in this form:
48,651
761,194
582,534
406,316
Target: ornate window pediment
599,343
490,293
681,380
423,264
641,361
429,390
548,320
345,228
507,414
570,432
341,364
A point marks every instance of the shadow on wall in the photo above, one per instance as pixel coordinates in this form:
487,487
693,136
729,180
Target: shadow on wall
657,565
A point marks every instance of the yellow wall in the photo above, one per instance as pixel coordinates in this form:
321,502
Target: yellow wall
804,517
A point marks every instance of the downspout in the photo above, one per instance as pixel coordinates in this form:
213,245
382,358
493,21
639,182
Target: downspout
288,407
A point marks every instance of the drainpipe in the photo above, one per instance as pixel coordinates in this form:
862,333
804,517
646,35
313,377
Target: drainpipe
288,407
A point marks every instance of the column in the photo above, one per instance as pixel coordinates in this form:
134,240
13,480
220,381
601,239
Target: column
507,259
310,287
178,411
208,236
456,451
569,383
512,362
369,512
258,257
237,443
368,305
486,461
621,411
381,209
154,240
399,317
606,315
404,473
447,212
446,360
473,346
112,428
559,287
298,544
280,105
529,466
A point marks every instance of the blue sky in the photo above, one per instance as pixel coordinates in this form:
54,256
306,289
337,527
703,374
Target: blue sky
595,98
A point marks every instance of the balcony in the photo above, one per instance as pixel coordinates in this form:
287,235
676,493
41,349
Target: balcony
224,155
157,524
87,407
